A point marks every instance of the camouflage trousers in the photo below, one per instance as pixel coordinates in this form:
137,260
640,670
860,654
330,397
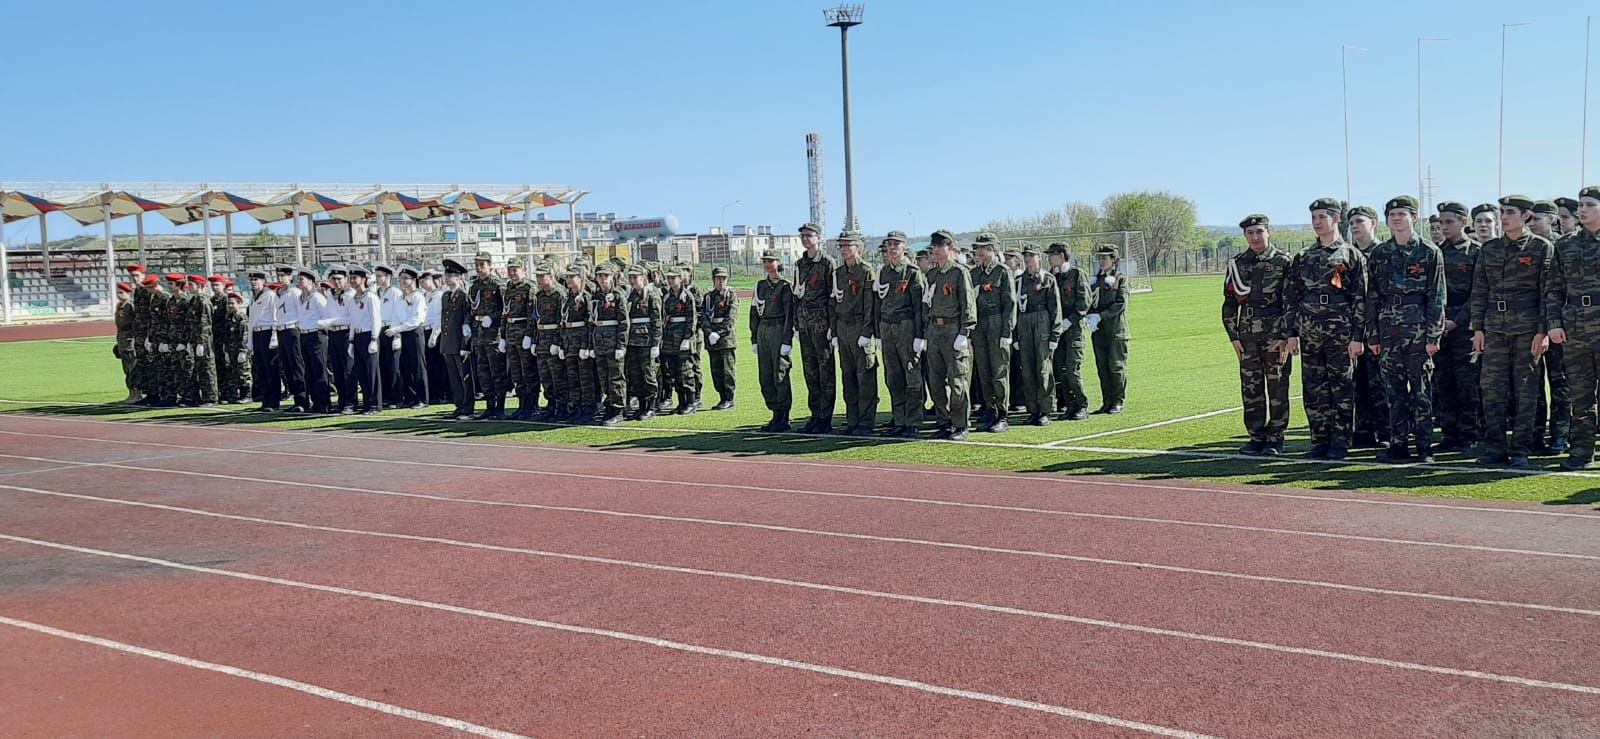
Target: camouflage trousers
552,374
858,374
991,363
1457,404
1371,399
1264,388
1407,374
521,365
1511,374
949,376
580,378
641,371
202,385
1069,370
902,372
612,387
490,369
1033,359
816,364
1558,411
1327,389
1583,374
772,367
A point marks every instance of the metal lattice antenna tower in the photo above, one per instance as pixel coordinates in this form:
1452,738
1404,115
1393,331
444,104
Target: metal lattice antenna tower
819,209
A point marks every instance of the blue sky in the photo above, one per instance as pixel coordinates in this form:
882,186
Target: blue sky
961,111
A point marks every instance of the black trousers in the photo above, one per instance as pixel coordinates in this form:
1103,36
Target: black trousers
413,376
314,353
339,365
264,369
459,369
388,367
292,365
434,367
365,372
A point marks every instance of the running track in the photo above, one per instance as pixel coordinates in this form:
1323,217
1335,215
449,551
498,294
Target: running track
180,580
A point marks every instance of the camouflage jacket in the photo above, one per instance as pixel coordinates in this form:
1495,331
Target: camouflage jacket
995,295
773,304
855,303
949,299
645,317
1572,293
1508,285
1037,293
576,311
1108,297
518,299
718,309
1460,258
1073,287
609,321
813,280
681,311
487,297
1405,291
199,320
900,295
1254,296
1327,293
548,307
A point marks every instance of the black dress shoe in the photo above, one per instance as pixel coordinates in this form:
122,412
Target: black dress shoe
780,426
1253,448
1395,453
1519,461
1114,410
1491,459
1338,452
1076,415
890,432
1272,449
722,406
862,431
1576,462
958,435
999,427
1319,451
907,432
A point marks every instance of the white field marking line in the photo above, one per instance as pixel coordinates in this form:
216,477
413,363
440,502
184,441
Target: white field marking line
72,465
1157,424
282,682
633,638
858,496
875,538
1046,446
925,600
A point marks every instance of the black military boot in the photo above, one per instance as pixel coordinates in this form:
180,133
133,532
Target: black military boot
724,404
1424,450
1253,448
1397,452
1075,414
1318,451
613,416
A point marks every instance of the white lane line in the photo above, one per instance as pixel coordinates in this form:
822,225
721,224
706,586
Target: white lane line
830,494
1067,481
1044,446
634,638
261,677
882,539
886,595
72,465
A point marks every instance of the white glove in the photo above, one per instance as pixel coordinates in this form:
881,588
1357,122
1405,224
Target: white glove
130,345
486,321
148,346
559,352
754,349
833,341
586,354
183,348
919,345
713,337
1053,346
350,350
433,340
1092,322
961,342
465,353
1064,325
389,331
164,348
1005,342
784,350
199,350
655,352
243,357
466,330
620,352
272,343
865,342
527,342
372,348
683,346
500,346
395,344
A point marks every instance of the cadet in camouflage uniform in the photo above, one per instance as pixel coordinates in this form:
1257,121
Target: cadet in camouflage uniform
996,297
1508,328
608,338
1572,311
122,349
1558,411
950,316
855,328
198,312
772,318
718,309
521,364
1108,328
549,305
578,362
644,342
899,289
1457,406
696,377
677,338
177,371
1038,336
1254,314
234,384
1405,310
487,298
1072,288
813,278
139,331
1327,300
1371,404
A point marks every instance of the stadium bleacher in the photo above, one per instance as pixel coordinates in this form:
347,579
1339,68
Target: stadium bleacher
71,286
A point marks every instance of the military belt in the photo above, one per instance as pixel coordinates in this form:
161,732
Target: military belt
1259,312
677,319
604,324
574,324
1585,300
548,326
1523,304
988,312
772,318
1408,299
259,329
646,319
517,320
1326,299
942,321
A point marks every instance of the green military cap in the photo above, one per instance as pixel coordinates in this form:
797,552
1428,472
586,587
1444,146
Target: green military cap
1329,204
686,268
1568,204
986,240
1400,201
1106,250
514,262
1522,202
812,227
1544,206
1030,248
943,233
540,269
854,236
637,270
770,255
924,253
719,272
1452,206
1363,210
575,271
1484,208
897,235
1591,191
1056,247
1255,219
606,268
484,256
883,245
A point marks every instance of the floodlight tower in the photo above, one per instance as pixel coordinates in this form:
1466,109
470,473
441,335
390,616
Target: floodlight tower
819,213
843,18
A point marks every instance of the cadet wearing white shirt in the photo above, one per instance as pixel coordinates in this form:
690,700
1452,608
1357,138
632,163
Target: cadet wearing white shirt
392,304
366,326
339,353
313,319
433,359
263,319
413,380
290,364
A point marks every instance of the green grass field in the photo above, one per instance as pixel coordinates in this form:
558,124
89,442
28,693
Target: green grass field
1180,366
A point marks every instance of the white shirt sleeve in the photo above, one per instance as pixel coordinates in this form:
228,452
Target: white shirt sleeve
435,310
416,310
